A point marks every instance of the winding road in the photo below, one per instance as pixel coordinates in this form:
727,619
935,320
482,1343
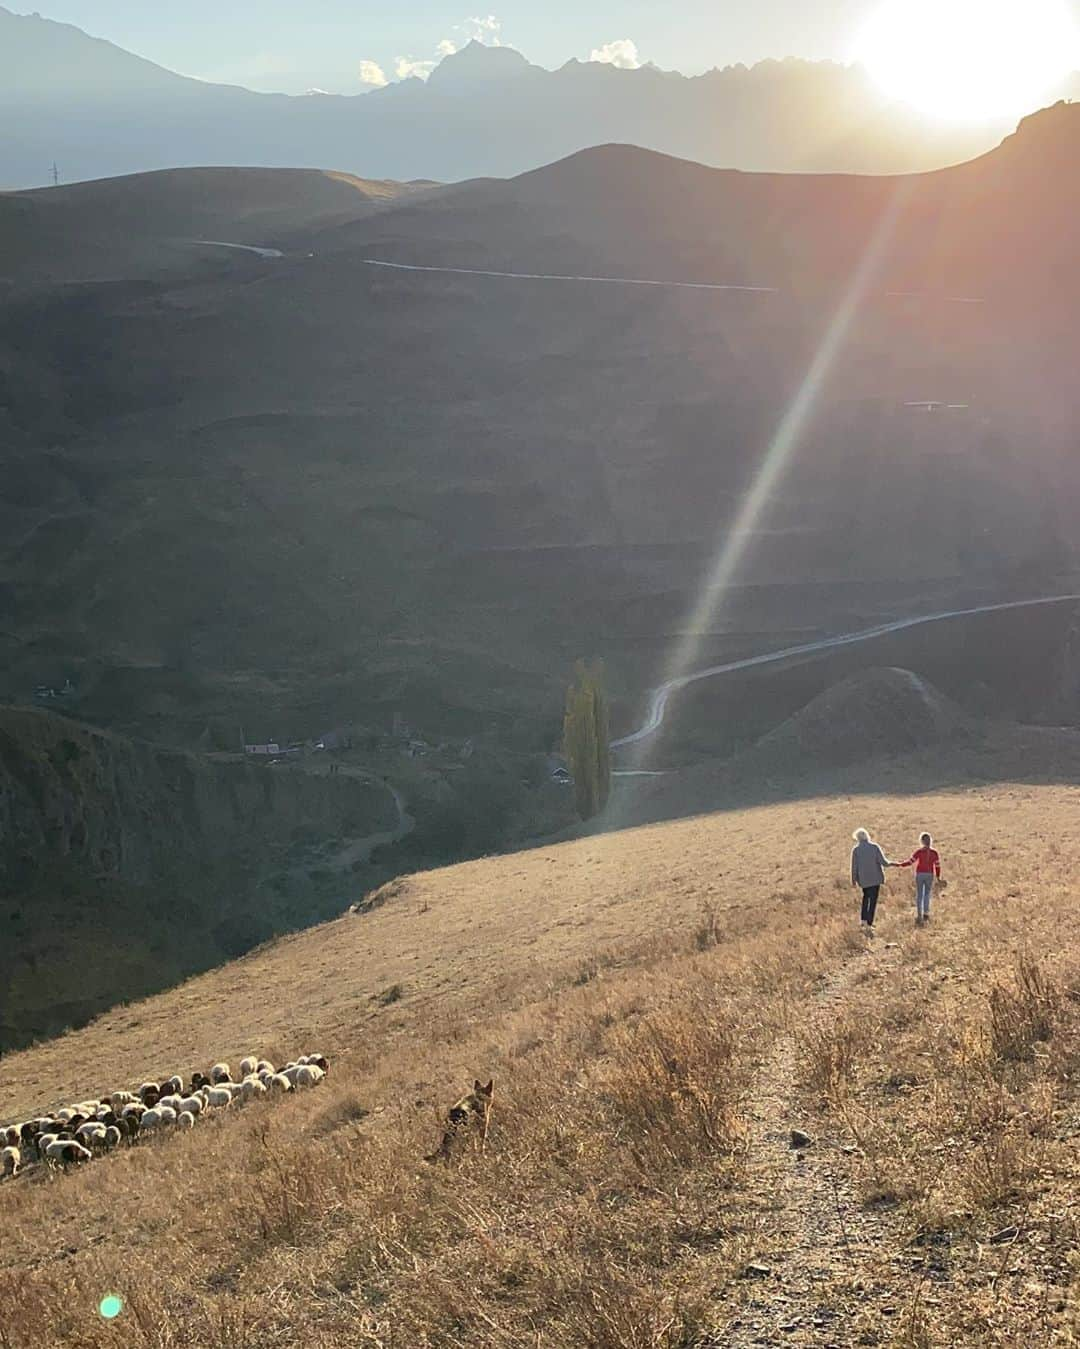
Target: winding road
660,697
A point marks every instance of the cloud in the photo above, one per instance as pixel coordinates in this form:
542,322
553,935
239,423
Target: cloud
486,30
405,68
446,47
621,53
373,75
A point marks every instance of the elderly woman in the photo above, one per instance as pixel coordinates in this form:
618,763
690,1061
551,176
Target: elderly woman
868,865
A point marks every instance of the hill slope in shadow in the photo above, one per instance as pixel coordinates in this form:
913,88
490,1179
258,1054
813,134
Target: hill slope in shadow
125,867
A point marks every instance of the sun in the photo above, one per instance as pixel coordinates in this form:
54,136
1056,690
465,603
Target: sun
970,60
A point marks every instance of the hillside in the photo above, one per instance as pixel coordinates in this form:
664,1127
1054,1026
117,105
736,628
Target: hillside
387,465
125,867
149,223
658,1008
98,111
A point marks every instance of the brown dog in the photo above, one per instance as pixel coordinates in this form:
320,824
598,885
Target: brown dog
474,1108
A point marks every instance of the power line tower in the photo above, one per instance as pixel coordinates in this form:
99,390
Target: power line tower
55,175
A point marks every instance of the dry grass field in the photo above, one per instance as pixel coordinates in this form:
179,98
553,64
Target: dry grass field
658,1008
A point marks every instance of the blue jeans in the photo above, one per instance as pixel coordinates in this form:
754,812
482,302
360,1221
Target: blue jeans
924,883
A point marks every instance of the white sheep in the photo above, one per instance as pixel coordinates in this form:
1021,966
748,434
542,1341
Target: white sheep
279,1082
291,1071
217,1097
42,1143
190,1105
248,1065
220,1073
133,1108
234,1089
264,1066
309,1075
172,1101
251,1088
156,1117
121,1098
9,1161
63,1116
68,1152
174,1086
85,1133
185,1120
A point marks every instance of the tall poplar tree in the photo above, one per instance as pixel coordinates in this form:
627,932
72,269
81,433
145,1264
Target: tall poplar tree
586,738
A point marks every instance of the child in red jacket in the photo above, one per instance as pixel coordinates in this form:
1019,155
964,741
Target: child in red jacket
927,864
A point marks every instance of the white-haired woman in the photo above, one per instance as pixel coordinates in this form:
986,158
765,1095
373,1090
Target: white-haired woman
868,865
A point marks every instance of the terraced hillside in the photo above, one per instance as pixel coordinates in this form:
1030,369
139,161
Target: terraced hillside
312,489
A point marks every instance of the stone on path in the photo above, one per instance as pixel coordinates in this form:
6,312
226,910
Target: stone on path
799,1139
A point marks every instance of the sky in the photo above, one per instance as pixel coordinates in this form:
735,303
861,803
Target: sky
343,46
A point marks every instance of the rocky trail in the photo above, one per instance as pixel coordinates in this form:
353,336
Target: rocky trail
826,1269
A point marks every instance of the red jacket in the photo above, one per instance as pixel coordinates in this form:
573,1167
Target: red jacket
925,861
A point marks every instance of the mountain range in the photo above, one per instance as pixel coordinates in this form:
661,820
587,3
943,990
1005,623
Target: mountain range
96,110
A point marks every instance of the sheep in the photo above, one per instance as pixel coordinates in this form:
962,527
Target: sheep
172,1102
234,1089
112,1138
67,1114
309,1075
198,1081
149,1089
44,1142
190,1105
220,1073
12,1136
248,1065
89,1133
174,1086
264,1066
251,1088
218,1096
185,1120
319,1061
279,1082
67,1152
291,1071
121,1098
155,1118
9,1161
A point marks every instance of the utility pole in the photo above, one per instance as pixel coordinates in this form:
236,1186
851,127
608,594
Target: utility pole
55,175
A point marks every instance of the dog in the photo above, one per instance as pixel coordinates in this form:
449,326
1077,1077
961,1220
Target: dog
475,1108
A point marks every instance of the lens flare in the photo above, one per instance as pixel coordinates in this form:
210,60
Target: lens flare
773,464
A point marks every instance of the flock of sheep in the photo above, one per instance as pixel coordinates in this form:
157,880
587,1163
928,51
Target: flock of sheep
77,1133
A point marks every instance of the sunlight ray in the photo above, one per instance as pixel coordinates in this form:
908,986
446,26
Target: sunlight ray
786,440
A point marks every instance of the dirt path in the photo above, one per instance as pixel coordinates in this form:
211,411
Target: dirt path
821,1258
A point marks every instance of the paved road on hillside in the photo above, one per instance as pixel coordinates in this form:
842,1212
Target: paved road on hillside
660,697
241,248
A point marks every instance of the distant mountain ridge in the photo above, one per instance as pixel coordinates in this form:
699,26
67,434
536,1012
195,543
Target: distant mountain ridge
97,110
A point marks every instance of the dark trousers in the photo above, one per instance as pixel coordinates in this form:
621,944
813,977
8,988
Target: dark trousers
869,903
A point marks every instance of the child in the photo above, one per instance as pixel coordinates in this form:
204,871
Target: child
927,864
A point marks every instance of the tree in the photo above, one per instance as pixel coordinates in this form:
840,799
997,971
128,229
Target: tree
586,739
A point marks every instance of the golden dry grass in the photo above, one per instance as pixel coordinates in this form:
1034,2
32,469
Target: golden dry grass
657,1008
